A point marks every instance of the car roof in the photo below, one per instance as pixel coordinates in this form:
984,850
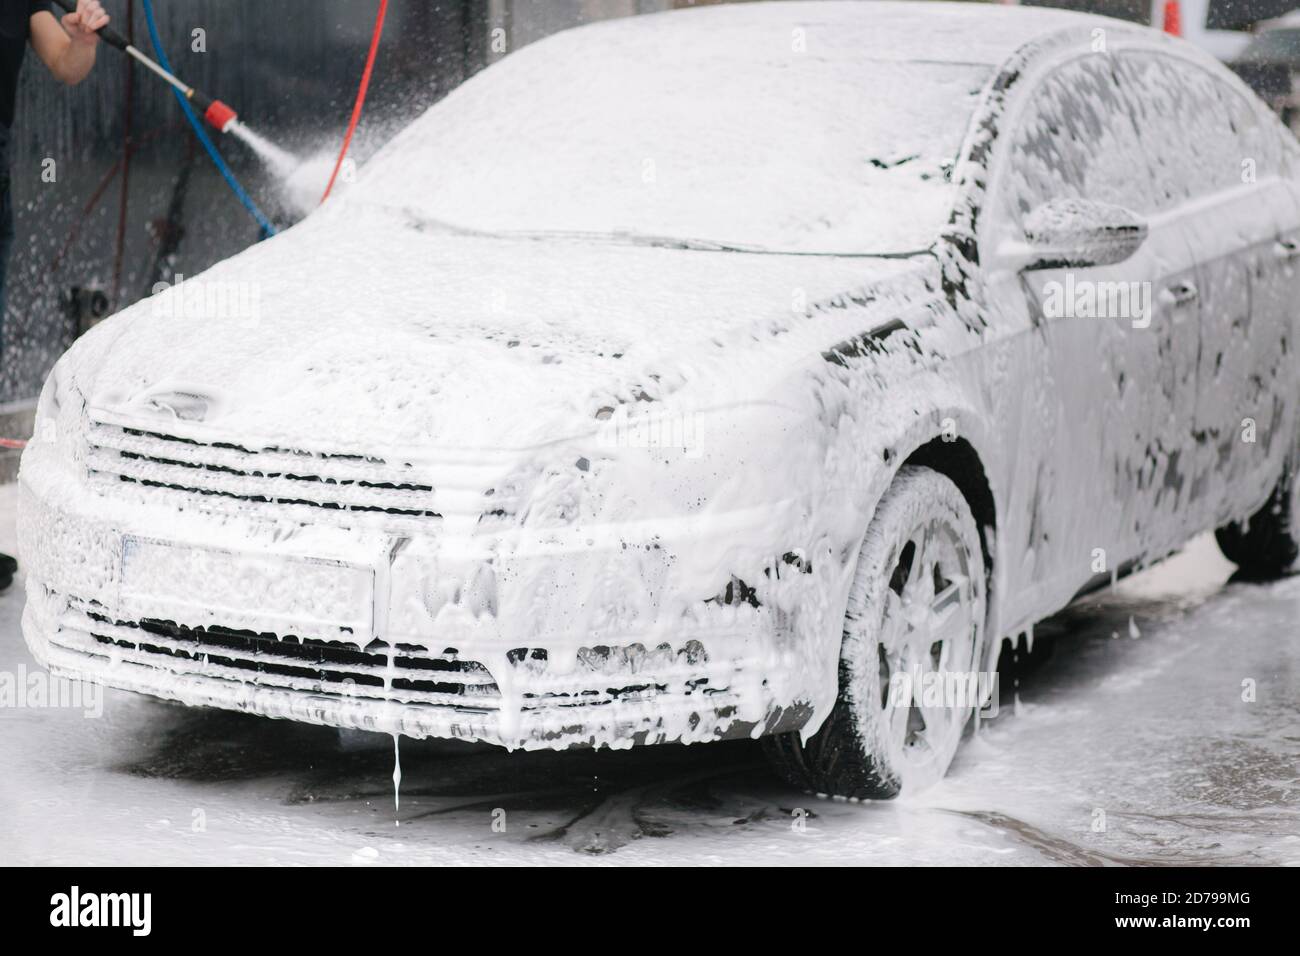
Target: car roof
978,33
844,117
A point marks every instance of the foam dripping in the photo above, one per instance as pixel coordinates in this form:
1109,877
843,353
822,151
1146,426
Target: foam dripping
397,777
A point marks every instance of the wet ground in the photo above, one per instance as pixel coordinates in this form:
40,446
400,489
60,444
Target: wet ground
1155,724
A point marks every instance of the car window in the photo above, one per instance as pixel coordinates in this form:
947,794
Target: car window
1201,135
1078,138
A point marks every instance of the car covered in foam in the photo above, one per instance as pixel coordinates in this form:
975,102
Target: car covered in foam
707,374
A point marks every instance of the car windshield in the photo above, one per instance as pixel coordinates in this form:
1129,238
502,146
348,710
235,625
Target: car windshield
766,149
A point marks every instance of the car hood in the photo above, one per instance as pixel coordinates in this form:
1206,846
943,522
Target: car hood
367,329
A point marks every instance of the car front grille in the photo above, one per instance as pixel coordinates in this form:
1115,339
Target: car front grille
353,483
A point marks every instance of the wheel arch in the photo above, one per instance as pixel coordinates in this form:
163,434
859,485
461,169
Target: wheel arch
957,460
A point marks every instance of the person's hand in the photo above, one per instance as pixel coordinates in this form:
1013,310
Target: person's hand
81,26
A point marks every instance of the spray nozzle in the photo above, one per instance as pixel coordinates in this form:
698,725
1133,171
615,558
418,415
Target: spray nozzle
215,112
220,115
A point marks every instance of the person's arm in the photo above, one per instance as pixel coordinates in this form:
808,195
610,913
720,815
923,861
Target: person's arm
68,51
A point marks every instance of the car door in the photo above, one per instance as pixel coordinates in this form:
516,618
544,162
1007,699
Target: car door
1117,375
1218,172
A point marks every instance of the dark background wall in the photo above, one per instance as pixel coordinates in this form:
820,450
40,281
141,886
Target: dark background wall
1137,11
112,228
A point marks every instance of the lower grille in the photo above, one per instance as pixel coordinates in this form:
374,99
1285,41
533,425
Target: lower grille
399,673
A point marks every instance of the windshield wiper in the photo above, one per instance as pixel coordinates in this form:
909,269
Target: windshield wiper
421,222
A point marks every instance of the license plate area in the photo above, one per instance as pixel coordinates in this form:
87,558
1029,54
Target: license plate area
308,597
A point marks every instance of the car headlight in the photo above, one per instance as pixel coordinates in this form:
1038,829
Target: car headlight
47,411
58,410
690,461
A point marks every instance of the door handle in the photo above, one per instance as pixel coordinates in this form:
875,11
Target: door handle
1287,248
1180,293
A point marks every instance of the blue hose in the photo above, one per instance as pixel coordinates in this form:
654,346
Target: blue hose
231,181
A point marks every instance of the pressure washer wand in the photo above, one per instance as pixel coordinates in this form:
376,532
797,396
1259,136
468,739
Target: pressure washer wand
215,112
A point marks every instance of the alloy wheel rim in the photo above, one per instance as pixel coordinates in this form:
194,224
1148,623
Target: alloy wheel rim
928,634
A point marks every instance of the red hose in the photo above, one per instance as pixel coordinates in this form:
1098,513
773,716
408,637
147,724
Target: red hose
361,95
128,147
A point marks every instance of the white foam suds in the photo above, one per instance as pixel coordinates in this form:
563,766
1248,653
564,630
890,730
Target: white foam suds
305,185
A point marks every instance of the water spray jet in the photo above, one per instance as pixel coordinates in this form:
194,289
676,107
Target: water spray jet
301,178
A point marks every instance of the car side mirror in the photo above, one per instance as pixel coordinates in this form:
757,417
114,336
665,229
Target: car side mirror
1077,233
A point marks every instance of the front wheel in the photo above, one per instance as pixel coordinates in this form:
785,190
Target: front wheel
913,633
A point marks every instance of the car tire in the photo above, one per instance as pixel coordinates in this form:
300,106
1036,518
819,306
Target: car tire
1267,544
919,585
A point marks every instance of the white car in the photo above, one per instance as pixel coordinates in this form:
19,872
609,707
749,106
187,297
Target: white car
741,371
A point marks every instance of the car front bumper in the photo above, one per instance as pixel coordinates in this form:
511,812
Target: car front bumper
545,640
